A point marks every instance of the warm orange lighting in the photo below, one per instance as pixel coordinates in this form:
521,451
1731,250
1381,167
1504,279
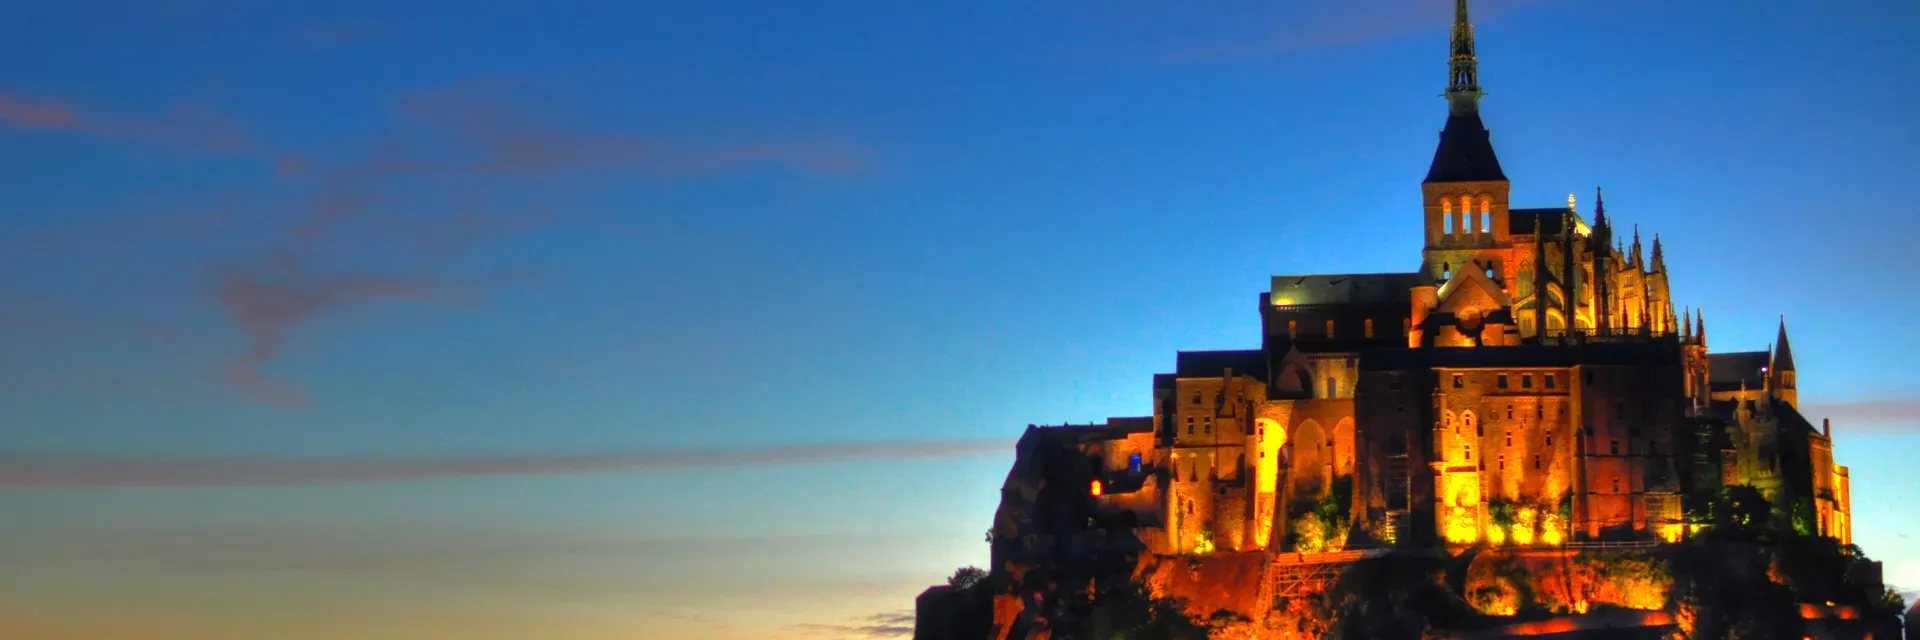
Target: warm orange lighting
1096,488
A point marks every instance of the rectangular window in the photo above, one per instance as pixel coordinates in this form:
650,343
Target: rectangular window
1526,381
1549,437
1369,328
1613,446
1133,463
1536,462
1503,463
1502,383
1550,378
1457,381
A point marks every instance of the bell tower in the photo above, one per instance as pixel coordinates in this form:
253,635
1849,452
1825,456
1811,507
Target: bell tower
1465,193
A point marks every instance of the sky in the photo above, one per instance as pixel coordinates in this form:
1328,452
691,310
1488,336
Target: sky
716,320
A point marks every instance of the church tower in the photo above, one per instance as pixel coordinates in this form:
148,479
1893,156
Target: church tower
1465,193
1780,375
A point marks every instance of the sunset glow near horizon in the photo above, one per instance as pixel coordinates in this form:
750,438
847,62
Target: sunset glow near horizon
718,320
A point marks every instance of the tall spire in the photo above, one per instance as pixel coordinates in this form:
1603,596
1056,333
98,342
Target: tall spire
1782,354
1601,232
1659,260
1636,248
1463,87
1466,148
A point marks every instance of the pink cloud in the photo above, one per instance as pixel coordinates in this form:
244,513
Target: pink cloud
1869,416
897,624
31,113
53,470
268,301
181,126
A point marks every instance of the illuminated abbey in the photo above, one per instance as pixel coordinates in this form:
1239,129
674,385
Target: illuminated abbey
1531,381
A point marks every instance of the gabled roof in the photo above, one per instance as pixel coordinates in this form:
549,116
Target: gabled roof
1465,153
1344,288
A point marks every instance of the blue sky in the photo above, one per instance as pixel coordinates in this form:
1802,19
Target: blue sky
651,264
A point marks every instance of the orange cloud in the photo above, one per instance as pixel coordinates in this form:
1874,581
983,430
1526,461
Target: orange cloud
53,470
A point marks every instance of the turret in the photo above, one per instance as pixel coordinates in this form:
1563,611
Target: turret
1780,374
1659,260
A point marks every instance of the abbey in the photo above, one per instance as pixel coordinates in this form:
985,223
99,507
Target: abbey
1531,382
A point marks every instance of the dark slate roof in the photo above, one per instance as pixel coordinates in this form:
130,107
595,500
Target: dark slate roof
1465,153
1213,364
1782,354
1791,418
1344,288
1521,221
1725,371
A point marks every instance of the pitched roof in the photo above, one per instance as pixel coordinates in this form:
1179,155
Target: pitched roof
1465,153
1725,371
1344,288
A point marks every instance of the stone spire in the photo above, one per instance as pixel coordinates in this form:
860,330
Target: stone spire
1782,354
1700,325
1463,87
1659,259
1465,153
1635,260
1602,234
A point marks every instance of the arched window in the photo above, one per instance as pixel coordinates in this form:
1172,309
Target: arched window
1369,328
1446,271
1133,463
1293,328
1486,214
1446,216
1466,209
1526,279
1329,328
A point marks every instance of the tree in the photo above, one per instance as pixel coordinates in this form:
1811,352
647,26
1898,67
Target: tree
966,577
1744,510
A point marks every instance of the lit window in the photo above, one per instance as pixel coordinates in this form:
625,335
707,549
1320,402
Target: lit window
1369,328
1329,328
1293,328
1133,463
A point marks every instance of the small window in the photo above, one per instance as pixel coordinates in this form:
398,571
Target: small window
1509,412
1458,381
1189,428
1329,328
1369,328
1549,437
1616,485
1503,463
1549,379
1196,397
1509,437
1502,382
1526,381
1536,462
1480,430
1293,328
1469,452
1539,412
1208,426
1613,446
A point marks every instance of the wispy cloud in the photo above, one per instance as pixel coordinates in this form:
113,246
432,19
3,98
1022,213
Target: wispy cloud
181,126
498,138
897,624
1868,416
61,470
268,301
